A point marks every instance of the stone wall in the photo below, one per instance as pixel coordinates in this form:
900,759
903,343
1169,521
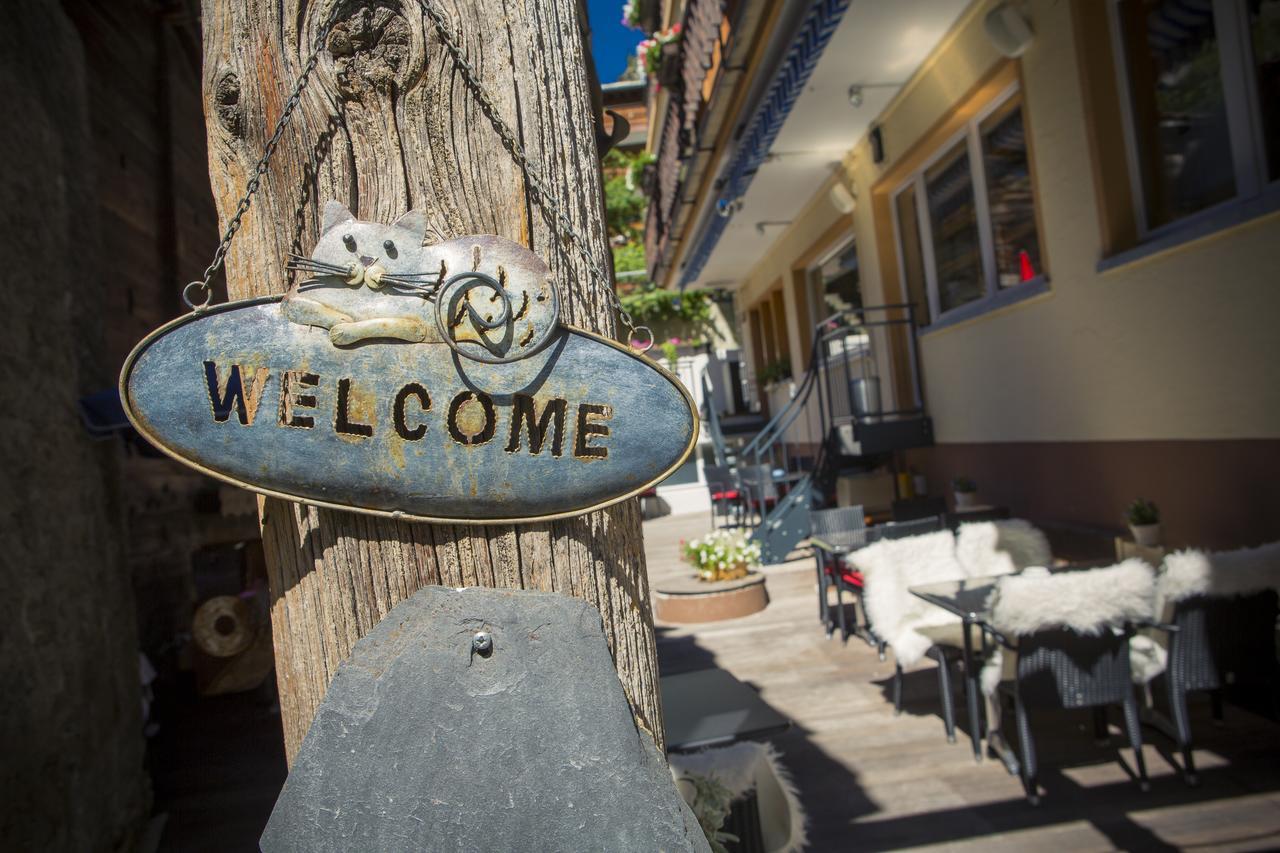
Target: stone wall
72,777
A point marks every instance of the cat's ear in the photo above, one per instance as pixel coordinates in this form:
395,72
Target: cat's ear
414,221
335,213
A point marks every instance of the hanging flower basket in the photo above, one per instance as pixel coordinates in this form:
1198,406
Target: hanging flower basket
660,52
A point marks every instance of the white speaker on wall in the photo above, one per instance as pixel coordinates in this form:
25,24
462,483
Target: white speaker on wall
1009,30
842,198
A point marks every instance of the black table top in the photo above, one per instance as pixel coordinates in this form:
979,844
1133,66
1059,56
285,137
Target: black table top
966,598
710,707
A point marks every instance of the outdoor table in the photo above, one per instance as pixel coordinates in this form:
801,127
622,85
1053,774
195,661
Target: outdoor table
709,707
966,598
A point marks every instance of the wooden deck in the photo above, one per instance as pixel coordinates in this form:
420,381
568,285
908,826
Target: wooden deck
873,781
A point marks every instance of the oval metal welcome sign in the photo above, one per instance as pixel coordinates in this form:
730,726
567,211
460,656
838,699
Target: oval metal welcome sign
380,412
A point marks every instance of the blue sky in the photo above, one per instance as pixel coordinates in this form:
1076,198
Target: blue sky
611,42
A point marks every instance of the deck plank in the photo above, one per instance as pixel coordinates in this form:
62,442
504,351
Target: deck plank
874,781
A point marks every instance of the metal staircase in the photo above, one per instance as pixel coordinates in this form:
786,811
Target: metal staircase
711,418
857,433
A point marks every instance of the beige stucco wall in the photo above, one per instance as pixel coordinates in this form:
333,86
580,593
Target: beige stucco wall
815,220
1179,345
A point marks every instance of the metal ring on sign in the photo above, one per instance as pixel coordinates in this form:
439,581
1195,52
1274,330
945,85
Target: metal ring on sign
456,288
198,285
648,346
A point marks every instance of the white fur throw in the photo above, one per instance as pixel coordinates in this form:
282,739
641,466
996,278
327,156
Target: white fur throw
889,567
1001,547
748,766
1087,602
1221,573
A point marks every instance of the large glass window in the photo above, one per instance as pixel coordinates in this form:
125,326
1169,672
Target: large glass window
966,223
1012,210
841,289
1179,106
1203,95
1264,34
836,289
953,224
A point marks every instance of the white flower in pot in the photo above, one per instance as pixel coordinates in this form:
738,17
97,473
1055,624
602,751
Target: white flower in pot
1144,522
966,492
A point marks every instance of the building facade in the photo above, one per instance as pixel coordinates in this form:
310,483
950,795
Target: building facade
1080,201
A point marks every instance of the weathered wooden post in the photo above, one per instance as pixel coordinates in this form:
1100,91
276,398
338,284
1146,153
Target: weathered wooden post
390,123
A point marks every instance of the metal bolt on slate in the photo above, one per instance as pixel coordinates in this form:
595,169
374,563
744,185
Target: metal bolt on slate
482,643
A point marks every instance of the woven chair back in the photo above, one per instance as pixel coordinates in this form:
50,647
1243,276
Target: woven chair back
1063,669
1225,640
844,527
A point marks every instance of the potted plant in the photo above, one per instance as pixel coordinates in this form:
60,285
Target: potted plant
722,556
966,492
775,371
1144,522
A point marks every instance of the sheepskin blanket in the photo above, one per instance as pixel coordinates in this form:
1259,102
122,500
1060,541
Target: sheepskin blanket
1087,602
1001,547
744,767
888,568
1221,573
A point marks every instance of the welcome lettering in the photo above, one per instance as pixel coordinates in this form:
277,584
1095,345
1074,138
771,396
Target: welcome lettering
471,418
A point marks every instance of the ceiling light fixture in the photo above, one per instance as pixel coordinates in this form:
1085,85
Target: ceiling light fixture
857,92
760,226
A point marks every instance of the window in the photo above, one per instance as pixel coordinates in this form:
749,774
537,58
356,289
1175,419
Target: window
966,222
836,288
1013,214
1264,35
1202,86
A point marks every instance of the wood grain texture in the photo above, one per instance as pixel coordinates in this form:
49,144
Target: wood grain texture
388,124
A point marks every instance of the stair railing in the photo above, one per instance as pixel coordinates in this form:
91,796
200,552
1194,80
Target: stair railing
711,417
788,522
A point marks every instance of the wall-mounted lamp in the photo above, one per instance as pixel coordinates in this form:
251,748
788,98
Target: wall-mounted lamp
855,96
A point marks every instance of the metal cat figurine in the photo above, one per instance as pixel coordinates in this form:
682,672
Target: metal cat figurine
489,298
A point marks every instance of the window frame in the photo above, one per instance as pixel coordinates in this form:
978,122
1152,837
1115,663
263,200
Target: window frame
1244,123
815,290
970,136
817,311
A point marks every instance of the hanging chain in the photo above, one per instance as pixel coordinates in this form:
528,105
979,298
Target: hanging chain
201,290
197,294
534,181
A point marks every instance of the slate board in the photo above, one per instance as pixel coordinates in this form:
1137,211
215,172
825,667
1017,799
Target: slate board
420,744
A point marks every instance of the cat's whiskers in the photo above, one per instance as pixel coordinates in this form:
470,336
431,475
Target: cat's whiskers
420,281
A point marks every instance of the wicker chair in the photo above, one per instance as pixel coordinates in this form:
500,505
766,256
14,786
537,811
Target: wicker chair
900,530
759,491
832,534
955,519
1063,669
726,496
904,529
1070,656
894,573
1218,641
912,509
